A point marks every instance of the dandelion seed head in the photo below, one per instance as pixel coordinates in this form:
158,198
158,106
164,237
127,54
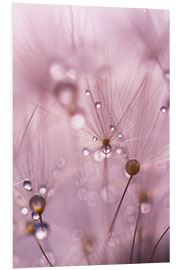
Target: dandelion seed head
132,167
37,203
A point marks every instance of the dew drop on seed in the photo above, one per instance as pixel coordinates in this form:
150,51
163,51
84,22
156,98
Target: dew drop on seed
98,156
77,234
24,211
37,203
43,190
41,231
118,150
88,92
77,120
66,92
35,216
106,149
94,138
163,109
57,72
112,128
120,136
145,207
98,105
86,152
27,185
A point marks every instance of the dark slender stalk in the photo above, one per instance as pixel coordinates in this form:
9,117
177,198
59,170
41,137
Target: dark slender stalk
117,210
134,236
44,253
157,243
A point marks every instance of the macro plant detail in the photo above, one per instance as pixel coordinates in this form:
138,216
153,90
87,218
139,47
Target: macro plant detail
90,136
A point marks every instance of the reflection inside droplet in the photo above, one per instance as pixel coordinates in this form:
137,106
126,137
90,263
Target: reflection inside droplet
41,231
35,216
106,149
27,185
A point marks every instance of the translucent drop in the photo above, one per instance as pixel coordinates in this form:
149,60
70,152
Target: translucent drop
24,211
94,138
120,136
98,156
77,234
106,149
27,185
92,198
98,105
86,152
112,128
108,194
119,150
43,190
37,203
66,92
35,216
77,120
41,231
57,72
163,109
145,207
88,92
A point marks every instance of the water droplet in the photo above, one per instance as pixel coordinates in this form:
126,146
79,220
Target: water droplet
108,194
119,150
98,105
163,109
27,185
35,216
77,234
57,72
145,207
66,93
92,198
24,211
112,128
43,190
98,156
86,152
88,92
77,120
120,136
37,203
94,138
41,231
106,149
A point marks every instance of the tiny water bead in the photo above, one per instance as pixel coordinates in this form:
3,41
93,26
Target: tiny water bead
98,156
94,138
37,203
132,167
163,109
145,207
41,231
118,150
35,216
106,149
86,152
27,185
57,71
88,92
120,136
43,190
98,104
77,120
167,74
112,128
24,211
66,93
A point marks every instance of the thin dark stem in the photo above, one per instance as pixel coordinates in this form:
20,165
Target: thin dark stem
117,210
157,243
134,236
44,253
